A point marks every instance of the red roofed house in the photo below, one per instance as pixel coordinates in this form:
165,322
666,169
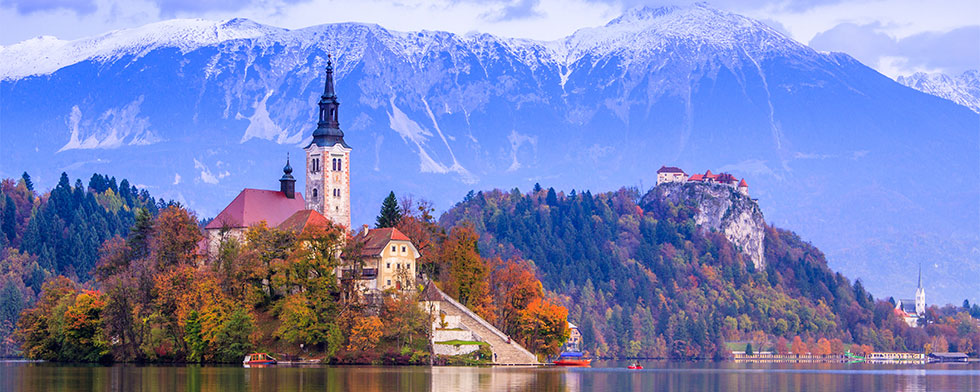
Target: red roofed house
670,174
389,260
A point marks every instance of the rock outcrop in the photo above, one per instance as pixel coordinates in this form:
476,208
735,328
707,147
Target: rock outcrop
720,208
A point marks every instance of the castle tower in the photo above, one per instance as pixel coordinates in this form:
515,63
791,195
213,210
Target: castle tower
328,161
920,296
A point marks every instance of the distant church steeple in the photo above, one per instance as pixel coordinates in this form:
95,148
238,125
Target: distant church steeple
920,295
328,187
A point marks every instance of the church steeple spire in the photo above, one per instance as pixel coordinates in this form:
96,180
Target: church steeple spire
328,131
920,275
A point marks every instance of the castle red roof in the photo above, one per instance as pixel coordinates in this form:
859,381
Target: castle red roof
725,178
303,219
696,177
742,184
252,206
670,169
375,240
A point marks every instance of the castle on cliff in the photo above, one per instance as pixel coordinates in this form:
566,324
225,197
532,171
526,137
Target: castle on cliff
673,174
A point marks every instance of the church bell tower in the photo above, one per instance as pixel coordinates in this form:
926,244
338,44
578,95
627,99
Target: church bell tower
328,161
920,296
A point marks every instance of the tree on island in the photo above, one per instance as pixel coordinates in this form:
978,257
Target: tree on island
391,214
748,349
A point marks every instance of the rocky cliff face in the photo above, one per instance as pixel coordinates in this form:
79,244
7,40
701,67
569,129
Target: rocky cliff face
720,208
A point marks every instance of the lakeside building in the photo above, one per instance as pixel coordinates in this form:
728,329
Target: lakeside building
388,256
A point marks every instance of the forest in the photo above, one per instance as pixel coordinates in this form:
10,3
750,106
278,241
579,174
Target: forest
105,272
641,279
154,294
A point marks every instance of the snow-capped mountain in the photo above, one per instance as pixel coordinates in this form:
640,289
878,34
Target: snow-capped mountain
963,89
878,175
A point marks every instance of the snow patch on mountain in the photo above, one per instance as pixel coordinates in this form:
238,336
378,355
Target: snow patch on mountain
963,89
112,129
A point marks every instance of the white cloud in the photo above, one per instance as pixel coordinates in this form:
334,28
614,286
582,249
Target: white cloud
176,178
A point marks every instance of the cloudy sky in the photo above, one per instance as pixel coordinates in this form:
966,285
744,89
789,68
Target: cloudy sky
897,37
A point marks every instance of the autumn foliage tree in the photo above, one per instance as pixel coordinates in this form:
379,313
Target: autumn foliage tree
544,326
468,274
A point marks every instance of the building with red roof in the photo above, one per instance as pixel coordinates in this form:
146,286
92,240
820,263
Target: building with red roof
254,206
303,220
674,174
389,260
670,174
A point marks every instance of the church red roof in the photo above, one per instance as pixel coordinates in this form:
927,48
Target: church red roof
252,206
303,219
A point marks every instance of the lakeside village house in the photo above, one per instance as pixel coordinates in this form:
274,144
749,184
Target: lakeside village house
673,174
389,255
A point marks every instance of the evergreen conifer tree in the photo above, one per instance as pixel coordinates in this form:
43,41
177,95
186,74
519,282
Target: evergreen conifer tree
391,214
748,349
9,215
27,181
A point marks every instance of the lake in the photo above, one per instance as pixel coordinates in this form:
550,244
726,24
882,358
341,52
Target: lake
604,376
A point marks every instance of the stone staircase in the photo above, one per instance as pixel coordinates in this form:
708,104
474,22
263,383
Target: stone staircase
505,353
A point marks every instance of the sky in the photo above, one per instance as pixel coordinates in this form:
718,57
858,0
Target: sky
896,37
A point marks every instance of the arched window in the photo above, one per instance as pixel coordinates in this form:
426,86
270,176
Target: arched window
314,193
340,165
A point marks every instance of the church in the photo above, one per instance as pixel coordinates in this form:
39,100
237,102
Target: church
389,254
912,311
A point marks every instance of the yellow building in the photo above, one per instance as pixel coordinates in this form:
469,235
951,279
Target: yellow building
389,260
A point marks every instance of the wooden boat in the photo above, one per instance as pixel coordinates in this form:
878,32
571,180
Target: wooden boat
572,359
259,359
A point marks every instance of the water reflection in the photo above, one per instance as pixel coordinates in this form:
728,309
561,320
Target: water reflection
657,376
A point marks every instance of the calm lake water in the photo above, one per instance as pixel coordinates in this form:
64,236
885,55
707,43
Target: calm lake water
604,376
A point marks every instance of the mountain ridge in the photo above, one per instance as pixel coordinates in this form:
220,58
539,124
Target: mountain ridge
829,146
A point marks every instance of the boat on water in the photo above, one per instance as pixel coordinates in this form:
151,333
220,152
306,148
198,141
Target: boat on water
572,359
635,366
259,359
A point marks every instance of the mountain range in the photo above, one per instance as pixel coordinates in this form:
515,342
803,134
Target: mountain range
879,176
963,89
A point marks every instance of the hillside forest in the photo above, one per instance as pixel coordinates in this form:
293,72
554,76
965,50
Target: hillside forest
148,292
105,272
641,279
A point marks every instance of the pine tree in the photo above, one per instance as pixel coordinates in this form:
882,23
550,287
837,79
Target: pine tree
27,181
9,224
748,349
391,214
